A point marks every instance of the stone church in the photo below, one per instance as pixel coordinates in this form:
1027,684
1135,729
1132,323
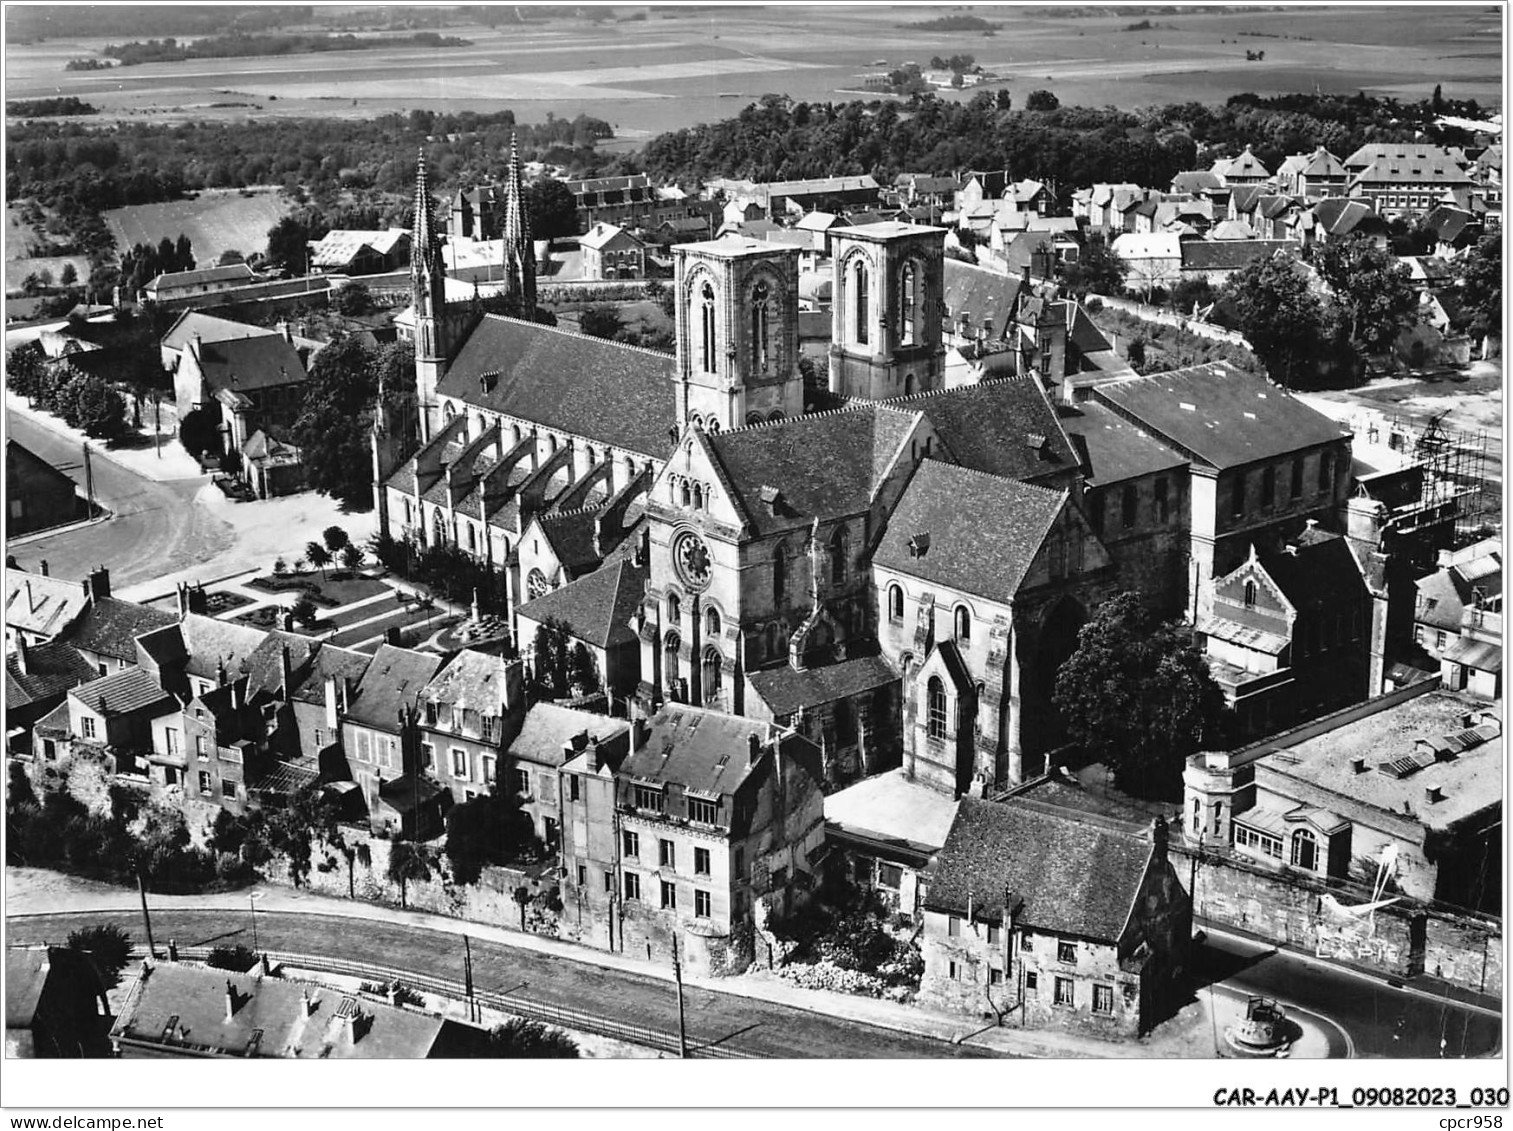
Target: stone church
899,578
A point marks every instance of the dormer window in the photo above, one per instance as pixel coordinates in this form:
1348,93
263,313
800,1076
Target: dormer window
919,545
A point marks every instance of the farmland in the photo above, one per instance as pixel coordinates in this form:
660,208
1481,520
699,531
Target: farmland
214,221
678,68
18,265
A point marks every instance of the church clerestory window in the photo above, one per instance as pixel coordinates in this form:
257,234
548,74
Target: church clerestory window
859,303
706,329
761,327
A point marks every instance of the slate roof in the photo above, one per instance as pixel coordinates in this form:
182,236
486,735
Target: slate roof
240,364
110,627
602,234
1230,418
124,692
393,679
825,465
984,531
704,751
271,1020
597,607
340,246
1243,198
571,537
42,605
1069,875
985,297
996,427
1321,575
472,681
1340,216
51,669
208,641
1116,448
264,665
342,664
409,791
1412,171
1229,255
1402,150
604,391
785,690
549,728
1196,181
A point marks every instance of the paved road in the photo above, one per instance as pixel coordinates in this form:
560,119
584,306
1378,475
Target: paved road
753,1026
155,528
1382,1021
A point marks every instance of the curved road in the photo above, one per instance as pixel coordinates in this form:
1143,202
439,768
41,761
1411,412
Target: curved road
154,529
752,1026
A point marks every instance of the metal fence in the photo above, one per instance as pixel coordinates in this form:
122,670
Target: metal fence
662,1040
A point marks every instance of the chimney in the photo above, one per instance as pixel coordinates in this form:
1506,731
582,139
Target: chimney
181,591
285,331
753,750
286,670
231,1000
1311,524
392,636
1358,765
1159,837
236,695
308,1003
43,566
21,654
220,672
1433,794
640,731
99,581
288,622
333,704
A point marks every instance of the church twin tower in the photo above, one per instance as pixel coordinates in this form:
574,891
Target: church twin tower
737,314
738,322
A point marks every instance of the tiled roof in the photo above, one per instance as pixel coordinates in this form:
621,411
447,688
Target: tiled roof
472,681
1196,180
602,234
392,681
1339,216
240,364
209,641
985,297
571,536
110,627
270,1020
231,273
51,669
597,608
705,751
983,531
786,691
341,664
1222,415
1070,875
1116,449
603,391
1402,151
824,465
1392,171
1004,427
1231,255
549,728
123,692
264,665
1482,655
41,605
340,246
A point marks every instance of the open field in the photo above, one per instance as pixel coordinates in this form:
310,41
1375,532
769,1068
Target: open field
676,69
215,221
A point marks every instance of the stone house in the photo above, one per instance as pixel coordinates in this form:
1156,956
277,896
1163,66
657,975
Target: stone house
590,848
550,736
108,721
1046,919
610,252
246,384
469,712
377,734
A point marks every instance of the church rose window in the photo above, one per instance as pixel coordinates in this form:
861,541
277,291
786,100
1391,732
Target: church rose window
535,585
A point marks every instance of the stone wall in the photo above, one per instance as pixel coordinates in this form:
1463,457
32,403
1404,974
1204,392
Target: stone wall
1405,939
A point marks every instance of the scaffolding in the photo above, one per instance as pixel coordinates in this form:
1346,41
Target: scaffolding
1451,505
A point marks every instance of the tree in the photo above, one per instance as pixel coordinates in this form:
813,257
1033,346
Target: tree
351,557
1281,319
1372,295
1136,695
581,671
551,209
289,242
332,428
238,959
408,863
1097,269
1042,100
183,253
199,432
108,947
1482,287
600,321
318,556
97,408
523,1039
354,299
492,829
25,369
70,274
335,538
230,257
551,654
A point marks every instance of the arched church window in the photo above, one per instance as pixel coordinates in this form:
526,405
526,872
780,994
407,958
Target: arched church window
515,433
593,457
963,625
1250,594
859,301
551,443
439,528
753,418
712,425
895,603
840,548
761,316
908,287
686,494
908,384
712,623
698,497
706,329
671,644
711,675
448,410
674,608
935,702
775,416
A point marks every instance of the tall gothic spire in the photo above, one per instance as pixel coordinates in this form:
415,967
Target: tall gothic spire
519,252
426,268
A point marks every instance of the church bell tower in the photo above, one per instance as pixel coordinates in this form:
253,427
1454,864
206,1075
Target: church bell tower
519,252
738,340
428,293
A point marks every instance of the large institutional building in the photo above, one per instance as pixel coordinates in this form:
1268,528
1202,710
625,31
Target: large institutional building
897,571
